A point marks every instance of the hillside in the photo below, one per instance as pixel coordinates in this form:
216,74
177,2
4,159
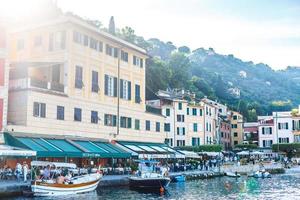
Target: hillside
252,89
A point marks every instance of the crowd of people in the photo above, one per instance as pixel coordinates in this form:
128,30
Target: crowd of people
21,172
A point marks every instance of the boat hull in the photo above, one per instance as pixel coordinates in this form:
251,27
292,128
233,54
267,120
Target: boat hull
148,183
46,189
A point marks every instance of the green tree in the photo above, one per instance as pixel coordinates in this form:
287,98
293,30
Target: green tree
179,65
184,49
111,27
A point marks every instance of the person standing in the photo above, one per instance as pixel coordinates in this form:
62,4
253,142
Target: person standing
18,171
25,171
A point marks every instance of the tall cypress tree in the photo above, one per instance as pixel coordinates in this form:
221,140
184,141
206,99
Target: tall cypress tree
111,27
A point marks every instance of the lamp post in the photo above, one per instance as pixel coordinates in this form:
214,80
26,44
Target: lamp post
276,125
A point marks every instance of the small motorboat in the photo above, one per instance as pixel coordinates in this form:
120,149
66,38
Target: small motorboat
262,174
234,175
179,178
78,184
147,178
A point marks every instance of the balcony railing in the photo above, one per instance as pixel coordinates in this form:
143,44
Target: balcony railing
26,83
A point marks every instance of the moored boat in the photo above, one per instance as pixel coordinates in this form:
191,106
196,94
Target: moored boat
231,174
75,185
147,179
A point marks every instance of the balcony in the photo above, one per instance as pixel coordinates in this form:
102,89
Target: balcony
32,83
46,77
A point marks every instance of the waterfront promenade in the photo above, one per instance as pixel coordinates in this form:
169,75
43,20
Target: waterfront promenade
16,188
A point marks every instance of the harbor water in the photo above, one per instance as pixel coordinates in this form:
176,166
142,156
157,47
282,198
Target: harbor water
283,186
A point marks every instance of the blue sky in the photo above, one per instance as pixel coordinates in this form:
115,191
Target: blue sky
265,31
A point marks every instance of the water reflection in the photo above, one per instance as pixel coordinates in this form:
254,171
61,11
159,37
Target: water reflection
277,187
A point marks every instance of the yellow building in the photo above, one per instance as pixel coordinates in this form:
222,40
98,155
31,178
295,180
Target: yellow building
64,81
236,120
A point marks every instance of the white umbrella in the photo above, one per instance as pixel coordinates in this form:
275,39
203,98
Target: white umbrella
256,153
243,153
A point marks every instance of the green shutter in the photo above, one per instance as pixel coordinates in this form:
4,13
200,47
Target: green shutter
129,123
106,85
114,120
129,90
121,88
115,86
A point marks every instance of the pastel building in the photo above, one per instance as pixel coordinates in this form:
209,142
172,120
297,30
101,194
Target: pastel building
283,127
266,133
225,134
250,132
68,78
3,79
236,120
296,125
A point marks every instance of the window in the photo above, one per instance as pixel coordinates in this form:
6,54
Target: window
187,111
110,86
111,51
201,112
180,118
125,122
180,143
77,114
100,46
233,125
180,130
39,109
169,141
222,134
179,106
93,43
194,111
147,125
235,134
267,143
57,40
137,124
125,89
284,140
137,61
124,56
195,127
209,127
195,141
284,126
137,93
37,40
234,117
167,127
94,117
167,112
78,77
235,142
60,113
79,38
266,130
95,86
110,120
157,127
20,44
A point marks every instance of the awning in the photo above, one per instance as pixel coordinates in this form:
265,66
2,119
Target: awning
189,154
58,147
8,151
148,150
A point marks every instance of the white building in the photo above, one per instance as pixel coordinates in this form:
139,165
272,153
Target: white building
266,133
283,127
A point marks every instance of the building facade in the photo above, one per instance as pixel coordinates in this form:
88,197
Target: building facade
3,79
250,134
266,133
225,135
236,120
296,125
66,77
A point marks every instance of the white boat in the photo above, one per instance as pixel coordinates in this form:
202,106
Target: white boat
262,174
76,185
231,174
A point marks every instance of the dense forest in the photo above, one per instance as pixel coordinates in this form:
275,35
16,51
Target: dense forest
252,89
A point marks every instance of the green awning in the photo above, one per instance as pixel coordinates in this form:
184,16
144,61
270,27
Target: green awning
46,147
102,150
